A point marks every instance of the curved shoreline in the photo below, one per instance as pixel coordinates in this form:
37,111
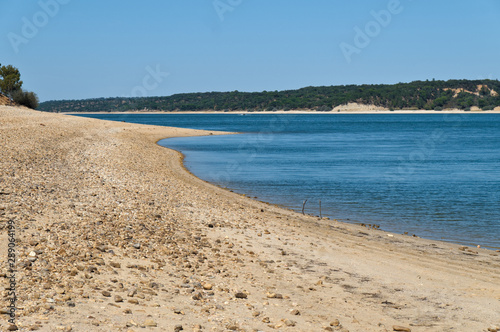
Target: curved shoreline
122,233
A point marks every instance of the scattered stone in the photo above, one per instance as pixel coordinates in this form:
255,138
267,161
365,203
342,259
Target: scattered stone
232,327
178,328
12,328
133,301
101,248
118,298
289,322
131,323
266,320
197,296
115,265
295,312
207,286
335,322
150,323
137,245
106,293
274,296
241,295
401,328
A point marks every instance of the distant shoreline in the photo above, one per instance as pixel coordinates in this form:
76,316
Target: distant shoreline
300,112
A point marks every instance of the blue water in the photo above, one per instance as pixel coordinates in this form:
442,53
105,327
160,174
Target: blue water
436,176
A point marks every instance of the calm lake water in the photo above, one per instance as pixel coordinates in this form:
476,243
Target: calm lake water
436,176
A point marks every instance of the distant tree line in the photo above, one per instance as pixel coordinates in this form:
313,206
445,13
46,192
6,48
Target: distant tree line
427,95
11,86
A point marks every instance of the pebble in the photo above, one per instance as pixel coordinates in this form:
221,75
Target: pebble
241,295
115,265
118,298
335,322
401,328
295,312
106,293
150,323
178,328
12,328
274,296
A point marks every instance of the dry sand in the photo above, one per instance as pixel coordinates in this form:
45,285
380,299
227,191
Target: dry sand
113,234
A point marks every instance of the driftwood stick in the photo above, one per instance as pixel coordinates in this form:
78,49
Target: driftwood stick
320,215
303,206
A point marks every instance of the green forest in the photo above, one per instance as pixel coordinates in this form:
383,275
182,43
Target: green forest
427,95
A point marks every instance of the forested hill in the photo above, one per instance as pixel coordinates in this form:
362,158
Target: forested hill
429,95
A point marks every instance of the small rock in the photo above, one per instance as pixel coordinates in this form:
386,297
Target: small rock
401,328
150,323
133,301
101,248
106,293
118,298
289,322
274,296
178,328
132,293
137,245
295,312
232,327
266,320
335,322
60,290
12,328
115,265
207,286
131,323
197,296
241,295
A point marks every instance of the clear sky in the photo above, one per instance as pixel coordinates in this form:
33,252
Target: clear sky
75,49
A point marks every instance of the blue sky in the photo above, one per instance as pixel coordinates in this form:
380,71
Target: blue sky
75,49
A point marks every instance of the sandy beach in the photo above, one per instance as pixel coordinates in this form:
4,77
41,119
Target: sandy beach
113,234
